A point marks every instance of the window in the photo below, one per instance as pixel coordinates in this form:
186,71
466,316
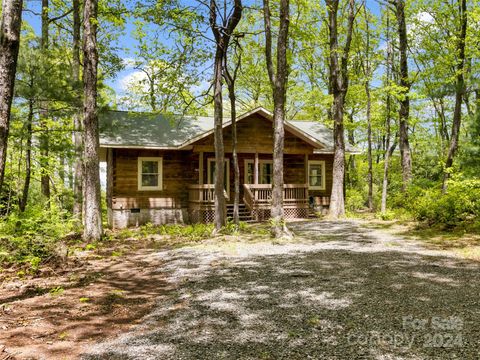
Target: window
316,175
211,173
265,169
150,173
249,172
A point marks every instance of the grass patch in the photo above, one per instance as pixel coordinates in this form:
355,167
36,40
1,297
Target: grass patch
464,241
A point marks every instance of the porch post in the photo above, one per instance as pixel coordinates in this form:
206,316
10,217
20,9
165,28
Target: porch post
255,169
307,180
200,168
306,168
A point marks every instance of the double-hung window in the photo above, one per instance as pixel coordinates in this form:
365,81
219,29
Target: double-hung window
211,173
150,171
265,169
316,175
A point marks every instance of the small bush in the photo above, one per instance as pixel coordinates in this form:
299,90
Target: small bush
32,237
460,205
386,216
354,200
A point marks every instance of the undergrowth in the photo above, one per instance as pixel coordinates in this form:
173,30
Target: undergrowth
32,238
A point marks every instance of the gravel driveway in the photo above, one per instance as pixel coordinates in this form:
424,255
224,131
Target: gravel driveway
338,291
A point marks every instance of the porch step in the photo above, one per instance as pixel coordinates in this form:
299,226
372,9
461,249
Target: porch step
243,213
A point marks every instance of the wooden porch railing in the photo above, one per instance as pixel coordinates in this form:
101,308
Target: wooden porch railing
202,194
259,196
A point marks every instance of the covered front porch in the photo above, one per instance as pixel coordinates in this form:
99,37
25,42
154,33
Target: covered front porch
305,189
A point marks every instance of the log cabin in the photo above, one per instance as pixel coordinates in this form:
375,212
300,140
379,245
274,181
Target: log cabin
161,169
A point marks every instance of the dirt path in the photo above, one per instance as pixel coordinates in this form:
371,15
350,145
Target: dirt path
60,316
339,291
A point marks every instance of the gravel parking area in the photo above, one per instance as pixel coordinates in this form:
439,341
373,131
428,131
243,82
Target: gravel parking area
337,291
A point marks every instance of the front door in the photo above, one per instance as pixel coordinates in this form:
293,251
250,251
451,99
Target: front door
265,171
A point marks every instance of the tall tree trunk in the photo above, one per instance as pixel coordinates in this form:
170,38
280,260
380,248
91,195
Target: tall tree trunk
351,177
459,92
44,141
236,168
369,113
230,79
404,111
388,100
386,161
338,86
9,45
222,34
93,215
28,158
220,203
369,150
278,82
77,118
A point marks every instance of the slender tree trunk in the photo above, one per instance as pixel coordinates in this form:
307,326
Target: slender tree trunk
77,117
43,140
338,87
369,113
220,203
236,168
404,111
459,92
9,45
28,159
385,168
93,215
388,100
337,200
230,79
369,150
278,81
222,34
351,177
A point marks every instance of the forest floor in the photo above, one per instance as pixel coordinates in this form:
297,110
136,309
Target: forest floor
340,290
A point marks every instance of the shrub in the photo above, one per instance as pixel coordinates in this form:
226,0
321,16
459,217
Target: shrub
354,200
386,216
460,205
32,237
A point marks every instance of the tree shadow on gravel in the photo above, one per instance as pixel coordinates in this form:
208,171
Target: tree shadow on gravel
326,304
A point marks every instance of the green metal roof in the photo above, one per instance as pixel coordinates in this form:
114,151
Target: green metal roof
121,129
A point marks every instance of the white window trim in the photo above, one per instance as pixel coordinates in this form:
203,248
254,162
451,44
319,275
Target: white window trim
159,160
245,170
317,162
260,169
227,175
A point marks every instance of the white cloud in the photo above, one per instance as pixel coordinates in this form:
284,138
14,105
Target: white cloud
425,17
129,62
132,78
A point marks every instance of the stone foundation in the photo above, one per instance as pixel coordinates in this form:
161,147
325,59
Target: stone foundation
120,219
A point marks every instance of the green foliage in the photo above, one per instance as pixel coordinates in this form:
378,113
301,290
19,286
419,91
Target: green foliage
354,200
459,206
33,237
56,291
232,229
387,215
